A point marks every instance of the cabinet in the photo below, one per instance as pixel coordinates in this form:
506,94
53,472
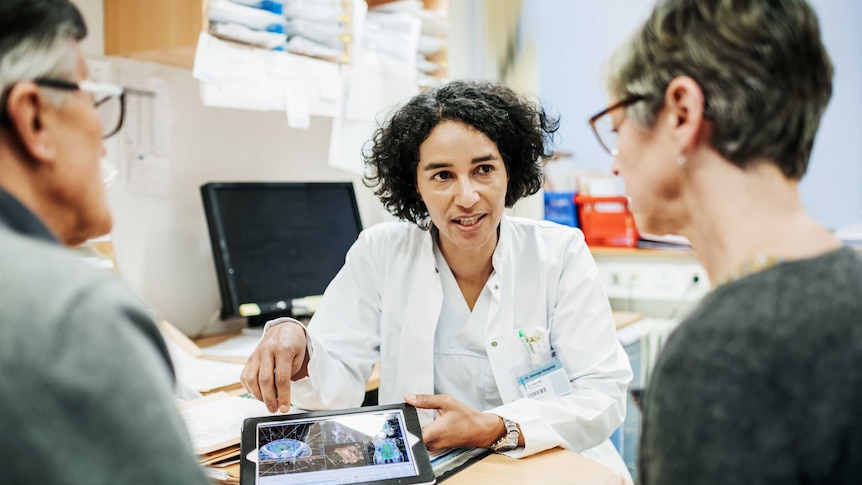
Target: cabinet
167,31
163,31
657,283
442,56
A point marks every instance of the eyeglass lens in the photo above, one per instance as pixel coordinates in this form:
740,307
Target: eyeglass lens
110,109
605,130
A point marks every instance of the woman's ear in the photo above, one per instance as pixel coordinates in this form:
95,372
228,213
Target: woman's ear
685,104
27,110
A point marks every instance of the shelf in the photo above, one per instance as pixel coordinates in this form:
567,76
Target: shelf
641,253
163,31
167,31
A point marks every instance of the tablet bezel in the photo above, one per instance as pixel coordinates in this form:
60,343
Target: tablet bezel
248,469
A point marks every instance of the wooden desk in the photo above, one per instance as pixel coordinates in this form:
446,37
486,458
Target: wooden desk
624,319
555,466
642,253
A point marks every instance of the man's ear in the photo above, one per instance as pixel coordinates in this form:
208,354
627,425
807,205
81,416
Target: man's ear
27,109
684,100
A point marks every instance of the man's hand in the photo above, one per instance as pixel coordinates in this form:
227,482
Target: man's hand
457,424
279,358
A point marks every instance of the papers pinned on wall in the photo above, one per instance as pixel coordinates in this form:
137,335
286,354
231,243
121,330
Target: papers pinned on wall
147,135
375,85
241,77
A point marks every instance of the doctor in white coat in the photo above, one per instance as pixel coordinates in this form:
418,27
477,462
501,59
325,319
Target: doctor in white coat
460,303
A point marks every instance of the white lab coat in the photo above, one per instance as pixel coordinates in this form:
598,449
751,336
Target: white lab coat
385,303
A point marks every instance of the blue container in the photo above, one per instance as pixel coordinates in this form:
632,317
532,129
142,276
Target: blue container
560,208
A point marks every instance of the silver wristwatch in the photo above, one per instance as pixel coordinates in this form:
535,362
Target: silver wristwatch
509,440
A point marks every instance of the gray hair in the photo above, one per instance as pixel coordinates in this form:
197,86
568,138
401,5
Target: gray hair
763,69
37,39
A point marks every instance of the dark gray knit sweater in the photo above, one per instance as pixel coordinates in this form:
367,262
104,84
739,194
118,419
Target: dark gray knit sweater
762,383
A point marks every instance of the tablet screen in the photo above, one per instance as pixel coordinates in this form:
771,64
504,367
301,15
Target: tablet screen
359,447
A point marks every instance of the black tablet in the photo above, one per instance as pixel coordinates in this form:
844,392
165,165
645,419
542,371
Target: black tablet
371,445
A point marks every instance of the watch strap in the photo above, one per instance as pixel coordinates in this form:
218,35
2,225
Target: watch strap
509,440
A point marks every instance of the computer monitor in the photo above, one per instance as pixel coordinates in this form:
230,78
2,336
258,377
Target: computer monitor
275,242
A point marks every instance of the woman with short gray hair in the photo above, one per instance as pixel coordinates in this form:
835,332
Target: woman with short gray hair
715,106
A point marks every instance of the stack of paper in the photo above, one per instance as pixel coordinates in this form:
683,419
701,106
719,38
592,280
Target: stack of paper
851,234
214,423
451,460
199,373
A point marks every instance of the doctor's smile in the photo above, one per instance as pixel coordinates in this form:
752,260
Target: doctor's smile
468,223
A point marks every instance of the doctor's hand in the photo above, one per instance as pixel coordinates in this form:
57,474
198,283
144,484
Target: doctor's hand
279,358
457,424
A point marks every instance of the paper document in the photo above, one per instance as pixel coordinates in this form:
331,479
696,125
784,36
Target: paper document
215,421
238,348
235,76
850,234
204,375
201,375
444,461
227,63
377,84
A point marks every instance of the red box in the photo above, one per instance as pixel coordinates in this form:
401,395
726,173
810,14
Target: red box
607,221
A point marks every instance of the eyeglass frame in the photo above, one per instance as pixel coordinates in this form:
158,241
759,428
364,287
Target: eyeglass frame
92,87
625,103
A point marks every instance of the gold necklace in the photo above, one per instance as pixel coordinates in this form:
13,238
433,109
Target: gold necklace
752,266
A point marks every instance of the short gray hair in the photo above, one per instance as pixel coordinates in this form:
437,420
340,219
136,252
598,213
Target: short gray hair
763,69
37,39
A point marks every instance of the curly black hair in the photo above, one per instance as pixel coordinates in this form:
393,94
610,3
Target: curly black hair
522,131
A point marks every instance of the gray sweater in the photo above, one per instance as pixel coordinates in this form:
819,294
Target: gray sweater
86,385
762,383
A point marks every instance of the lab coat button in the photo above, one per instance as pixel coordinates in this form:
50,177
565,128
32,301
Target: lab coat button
493,344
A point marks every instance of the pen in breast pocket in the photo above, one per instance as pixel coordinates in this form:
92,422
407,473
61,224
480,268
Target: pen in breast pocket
526,342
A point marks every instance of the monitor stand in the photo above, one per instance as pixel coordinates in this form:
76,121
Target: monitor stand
260,320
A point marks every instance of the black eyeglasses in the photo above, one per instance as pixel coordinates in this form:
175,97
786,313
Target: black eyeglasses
603,123
109,100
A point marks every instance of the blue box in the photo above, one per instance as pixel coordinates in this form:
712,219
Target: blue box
560,208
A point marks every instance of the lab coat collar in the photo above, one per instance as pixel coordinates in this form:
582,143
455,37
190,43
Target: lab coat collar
501,252
415,352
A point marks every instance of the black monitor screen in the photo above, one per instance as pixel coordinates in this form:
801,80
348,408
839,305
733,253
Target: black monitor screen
274,242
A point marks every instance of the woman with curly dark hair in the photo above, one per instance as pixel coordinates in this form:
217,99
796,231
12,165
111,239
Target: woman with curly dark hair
466,309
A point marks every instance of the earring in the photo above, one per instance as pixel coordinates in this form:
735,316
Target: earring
681,159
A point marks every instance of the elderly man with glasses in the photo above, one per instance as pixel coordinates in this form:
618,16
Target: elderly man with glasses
87,387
